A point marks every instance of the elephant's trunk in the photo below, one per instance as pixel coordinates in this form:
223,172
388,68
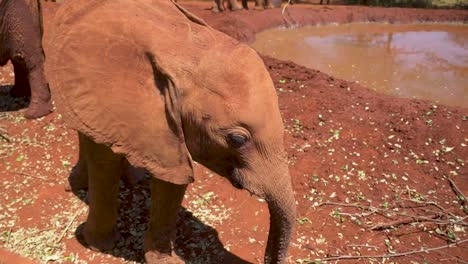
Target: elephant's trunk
282,207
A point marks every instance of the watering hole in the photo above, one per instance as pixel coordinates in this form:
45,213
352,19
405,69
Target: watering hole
426,61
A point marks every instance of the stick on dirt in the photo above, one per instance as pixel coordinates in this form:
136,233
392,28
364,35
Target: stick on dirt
365,246
284,17
457,191
29,175
3,134
404,221
395,254
78,212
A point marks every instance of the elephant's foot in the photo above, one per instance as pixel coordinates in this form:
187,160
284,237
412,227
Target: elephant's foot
215,9
258,7
236,8
38,109
269,6
154,257
99,241
78,179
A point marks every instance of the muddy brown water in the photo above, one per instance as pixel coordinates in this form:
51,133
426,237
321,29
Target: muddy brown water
427,61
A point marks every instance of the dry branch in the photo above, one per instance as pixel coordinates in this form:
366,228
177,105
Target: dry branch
457,191
78,212
405,218
32,176
3,134
366,246
289,24
394,255
345,205
404,221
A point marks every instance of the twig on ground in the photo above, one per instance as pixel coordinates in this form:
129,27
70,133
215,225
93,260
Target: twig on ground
4,137
284,17
457,191
8,238
439,221
3,134
459,260
366,246
32,176
64,232
435,217
404,221
203,198
357,214
78,212
394,255
454,258
430,203
31,235
344,205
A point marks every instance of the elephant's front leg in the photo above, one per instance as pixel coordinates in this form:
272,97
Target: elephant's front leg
234,5
258,5
166,199
104,170
269,4
218,6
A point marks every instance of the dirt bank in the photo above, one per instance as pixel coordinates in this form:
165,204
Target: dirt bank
372,174
243,25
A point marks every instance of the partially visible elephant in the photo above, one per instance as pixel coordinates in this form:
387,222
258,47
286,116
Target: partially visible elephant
148,82
219,5
21,42
233,5
361,2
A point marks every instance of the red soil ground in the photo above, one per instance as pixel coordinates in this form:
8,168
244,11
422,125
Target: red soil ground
371,173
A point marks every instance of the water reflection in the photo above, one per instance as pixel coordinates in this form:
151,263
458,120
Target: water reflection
427,61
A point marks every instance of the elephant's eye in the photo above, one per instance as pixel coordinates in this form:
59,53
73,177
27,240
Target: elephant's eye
237,140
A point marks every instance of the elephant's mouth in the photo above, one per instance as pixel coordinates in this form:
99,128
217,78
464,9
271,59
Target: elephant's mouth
236,179
229,172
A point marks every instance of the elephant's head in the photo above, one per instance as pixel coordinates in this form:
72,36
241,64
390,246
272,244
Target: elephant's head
163,90
233,126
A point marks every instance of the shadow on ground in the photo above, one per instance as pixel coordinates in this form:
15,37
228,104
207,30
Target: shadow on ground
9,103
196,242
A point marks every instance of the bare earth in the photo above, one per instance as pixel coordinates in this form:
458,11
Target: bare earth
372,173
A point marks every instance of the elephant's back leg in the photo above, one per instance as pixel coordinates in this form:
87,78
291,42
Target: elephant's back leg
104,169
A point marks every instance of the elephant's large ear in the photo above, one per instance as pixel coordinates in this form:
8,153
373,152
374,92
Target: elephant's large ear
189,15
120,96
175,159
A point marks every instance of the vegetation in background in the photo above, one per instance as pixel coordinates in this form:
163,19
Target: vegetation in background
462,4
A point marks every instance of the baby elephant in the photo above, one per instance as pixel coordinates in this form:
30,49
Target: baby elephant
21,42
148,83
